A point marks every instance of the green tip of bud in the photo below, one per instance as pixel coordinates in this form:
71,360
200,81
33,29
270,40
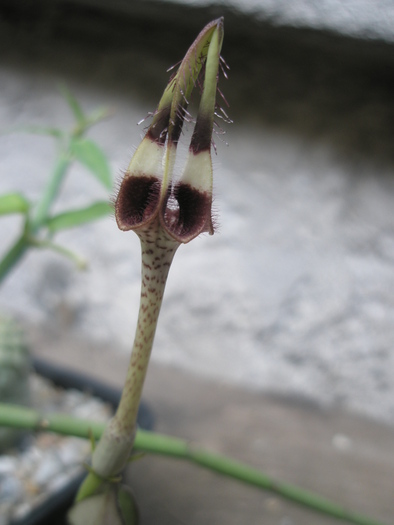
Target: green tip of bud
114,506
170,113
202,135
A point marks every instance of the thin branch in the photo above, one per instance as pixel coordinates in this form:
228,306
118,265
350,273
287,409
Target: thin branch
19,417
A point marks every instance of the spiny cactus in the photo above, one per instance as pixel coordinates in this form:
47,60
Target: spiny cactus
14,372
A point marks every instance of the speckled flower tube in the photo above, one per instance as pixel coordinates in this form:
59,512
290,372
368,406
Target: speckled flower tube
164,213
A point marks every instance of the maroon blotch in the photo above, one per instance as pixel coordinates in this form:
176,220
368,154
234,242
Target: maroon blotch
192,215
202,134
137,201
158,128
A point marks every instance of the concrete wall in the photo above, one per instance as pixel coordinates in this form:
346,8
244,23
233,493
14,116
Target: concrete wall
294,294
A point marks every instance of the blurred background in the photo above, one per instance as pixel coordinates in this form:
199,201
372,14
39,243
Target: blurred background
294,294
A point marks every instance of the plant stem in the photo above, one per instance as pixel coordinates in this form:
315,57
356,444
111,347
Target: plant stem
150,442
156,261
32,227
13,256
114,448
249,475
51,191
16,416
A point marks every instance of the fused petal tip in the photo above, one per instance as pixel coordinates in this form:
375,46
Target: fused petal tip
147,193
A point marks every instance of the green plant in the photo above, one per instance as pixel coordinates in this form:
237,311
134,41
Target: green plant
39,224
39,228
15,370
165,214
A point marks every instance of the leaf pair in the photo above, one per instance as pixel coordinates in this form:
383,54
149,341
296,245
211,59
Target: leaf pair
39,225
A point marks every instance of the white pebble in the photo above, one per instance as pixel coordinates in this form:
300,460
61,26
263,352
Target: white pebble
7,465
11,489
48,469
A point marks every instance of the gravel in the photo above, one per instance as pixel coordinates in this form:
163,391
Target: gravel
45,463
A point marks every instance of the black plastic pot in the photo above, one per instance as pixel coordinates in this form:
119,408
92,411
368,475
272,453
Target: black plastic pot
53,511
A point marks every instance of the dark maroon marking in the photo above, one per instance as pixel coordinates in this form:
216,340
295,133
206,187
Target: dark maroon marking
177,124
137,201
202,134
193,214
157,130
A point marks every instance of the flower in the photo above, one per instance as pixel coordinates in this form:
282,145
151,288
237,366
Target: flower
164,214
148,199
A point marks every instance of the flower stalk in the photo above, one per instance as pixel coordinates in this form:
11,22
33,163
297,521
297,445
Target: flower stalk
165,214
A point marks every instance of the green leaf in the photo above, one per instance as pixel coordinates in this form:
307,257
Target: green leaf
70,219
74,105
13,203
92,156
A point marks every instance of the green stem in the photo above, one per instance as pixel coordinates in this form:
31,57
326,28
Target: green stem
51,191
18,249
150,442
292,493
13,256
32,227
114,448
17,416
156,262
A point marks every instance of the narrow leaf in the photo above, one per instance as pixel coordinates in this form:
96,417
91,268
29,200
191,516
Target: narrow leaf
74,104
70,219
13,203
92,157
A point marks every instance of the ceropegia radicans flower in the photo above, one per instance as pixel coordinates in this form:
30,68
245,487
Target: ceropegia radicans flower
164,213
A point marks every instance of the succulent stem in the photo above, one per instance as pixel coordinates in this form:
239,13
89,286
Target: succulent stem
113,451
157,255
